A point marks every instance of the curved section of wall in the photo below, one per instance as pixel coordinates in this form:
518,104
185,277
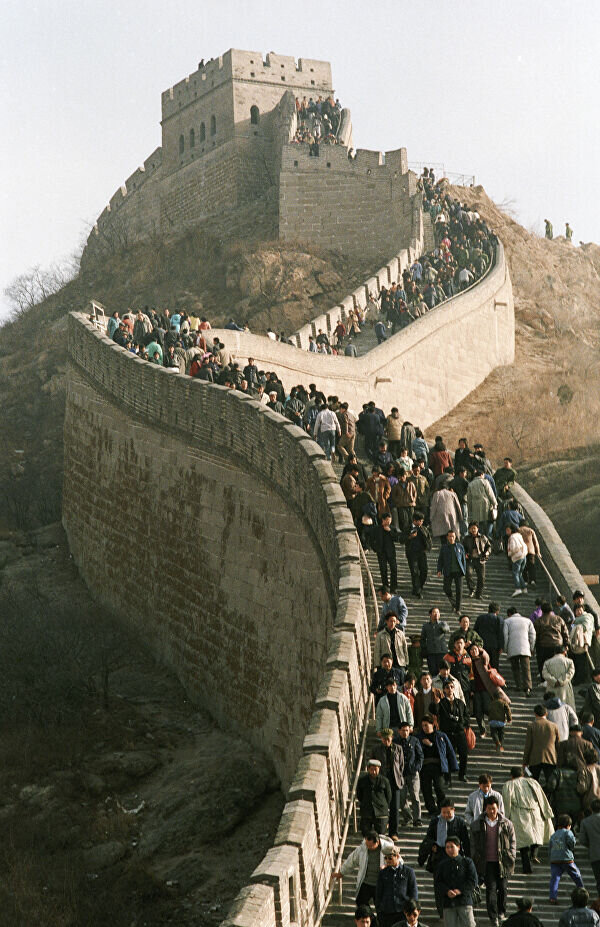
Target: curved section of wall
219,531
425,370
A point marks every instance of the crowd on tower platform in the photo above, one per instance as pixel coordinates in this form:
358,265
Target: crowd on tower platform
318,122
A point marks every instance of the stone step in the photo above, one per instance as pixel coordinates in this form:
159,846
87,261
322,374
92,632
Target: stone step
499,587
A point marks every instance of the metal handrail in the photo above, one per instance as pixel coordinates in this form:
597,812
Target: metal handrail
547,572
369,713
349,813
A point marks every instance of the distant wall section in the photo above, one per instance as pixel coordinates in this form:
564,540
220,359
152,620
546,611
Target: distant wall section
425,370
218,530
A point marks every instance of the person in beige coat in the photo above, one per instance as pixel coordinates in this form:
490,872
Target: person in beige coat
391,640
526,805
541,743
558,672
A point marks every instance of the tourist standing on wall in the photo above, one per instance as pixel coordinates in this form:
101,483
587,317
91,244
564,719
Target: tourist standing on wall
413,763
434,640
452,566
519,641
490,626
374,794
527,806
456,883
396,885
367,859
494,853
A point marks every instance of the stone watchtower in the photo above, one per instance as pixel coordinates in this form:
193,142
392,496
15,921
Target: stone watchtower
230,160
231,98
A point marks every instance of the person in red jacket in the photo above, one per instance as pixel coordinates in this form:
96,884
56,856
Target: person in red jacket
439,457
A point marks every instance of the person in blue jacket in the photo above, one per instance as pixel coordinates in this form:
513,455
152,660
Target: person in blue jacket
452,565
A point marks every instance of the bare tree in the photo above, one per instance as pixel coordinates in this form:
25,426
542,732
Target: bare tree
35,285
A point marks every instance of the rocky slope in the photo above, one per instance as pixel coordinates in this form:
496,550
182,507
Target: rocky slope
123,804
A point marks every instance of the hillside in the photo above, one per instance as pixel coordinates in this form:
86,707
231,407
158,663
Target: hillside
544,410
262,284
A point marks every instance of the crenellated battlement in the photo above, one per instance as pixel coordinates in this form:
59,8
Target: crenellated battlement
284,71
227,143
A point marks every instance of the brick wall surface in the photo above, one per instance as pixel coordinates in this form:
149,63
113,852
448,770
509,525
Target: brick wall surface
360,206
240,510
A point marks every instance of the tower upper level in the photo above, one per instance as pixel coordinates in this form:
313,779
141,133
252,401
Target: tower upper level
227,96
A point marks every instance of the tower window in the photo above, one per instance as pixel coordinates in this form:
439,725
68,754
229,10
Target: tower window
181,144
213,125
254,115
192,139
202,131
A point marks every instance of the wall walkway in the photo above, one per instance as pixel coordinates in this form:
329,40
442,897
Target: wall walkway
424,370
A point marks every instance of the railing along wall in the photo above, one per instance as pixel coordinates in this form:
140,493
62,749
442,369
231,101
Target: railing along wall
556,559
291,884
425,370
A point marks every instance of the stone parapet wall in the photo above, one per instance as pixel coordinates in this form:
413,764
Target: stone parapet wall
424,370
359,206
219,532
555,555
385,276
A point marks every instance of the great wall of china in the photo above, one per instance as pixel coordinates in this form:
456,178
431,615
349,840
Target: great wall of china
252,513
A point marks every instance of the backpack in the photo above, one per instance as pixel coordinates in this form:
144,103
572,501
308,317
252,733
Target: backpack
577,641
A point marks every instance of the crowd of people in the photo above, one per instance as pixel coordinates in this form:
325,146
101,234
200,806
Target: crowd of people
464,250
318,122
434,689
423,730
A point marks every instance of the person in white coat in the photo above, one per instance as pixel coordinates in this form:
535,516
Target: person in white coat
560,713
519,641
558,672
516,548
368,860
530,812
475,801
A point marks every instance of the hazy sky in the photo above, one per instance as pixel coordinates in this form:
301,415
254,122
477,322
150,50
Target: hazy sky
505,90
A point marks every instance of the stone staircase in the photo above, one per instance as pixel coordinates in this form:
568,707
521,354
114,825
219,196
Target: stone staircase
484,758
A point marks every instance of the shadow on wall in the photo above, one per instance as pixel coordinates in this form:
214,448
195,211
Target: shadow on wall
242,511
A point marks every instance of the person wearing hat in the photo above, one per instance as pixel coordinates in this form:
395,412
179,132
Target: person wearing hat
375,795
396,885
367,859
